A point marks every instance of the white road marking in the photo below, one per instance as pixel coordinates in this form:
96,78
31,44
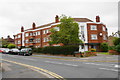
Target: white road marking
108,65
109,69
117,66
61,63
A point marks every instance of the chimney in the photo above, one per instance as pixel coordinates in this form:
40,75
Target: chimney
97,19
2,38
56,19
22,29
8,36
33,25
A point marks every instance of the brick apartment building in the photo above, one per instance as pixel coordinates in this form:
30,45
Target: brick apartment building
92,33
8,39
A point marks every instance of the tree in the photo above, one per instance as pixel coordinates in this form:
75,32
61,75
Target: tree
11,45
116,41
68,32
104,46
5,43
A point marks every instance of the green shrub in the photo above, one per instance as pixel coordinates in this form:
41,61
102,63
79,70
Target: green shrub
116,41
117,48
37,50
111,47
87,51
57,50
104,47
11,45
93,50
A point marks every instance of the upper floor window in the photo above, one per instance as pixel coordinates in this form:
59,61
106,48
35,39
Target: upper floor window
93,27
103,28
94,36
104,37
19,36
19,42
31,34
57,28
26,34
38,32
45,31
46,39
16,37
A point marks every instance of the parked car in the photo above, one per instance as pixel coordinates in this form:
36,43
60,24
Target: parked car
1,50
26,51
14,51
6,51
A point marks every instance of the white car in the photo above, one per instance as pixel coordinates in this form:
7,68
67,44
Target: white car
14,51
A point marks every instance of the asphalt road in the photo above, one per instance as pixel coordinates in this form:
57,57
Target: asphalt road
67,67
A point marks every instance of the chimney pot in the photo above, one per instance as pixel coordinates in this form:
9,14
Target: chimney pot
22,29
56,19
97,19
33,25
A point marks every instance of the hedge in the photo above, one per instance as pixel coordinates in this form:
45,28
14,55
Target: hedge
57,50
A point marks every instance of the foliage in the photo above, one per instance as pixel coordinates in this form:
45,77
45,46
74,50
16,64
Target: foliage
5,43
37,50
93,50
111,47
11,45
68,32
118,48
116,41
57,50
104,47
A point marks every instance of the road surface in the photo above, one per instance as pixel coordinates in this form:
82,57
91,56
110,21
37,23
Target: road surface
63,67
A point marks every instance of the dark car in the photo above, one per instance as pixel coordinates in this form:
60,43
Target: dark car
26,52
14,51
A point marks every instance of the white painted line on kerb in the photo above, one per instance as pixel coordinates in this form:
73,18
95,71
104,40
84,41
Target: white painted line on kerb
109,69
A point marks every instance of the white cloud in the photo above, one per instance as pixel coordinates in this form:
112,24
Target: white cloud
17,13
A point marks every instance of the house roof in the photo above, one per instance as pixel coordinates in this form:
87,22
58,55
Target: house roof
76,19
41,26
82,20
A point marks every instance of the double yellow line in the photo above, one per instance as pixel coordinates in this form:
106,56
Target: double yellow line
43,70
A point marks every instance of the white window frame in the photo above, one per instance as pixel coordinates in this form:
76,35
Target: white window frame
93,27
19,36
104,37
31,34
57,28
94,37
26,34
103,28
19,42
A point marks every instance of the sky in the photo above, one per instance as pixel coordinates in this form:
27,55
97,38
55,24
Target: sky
17,13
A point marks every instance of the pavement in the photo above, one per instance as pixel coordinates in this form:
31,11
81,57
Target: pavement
15,71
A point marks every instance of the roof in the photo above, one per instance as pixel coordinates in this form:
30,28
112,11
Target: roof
82,20
41,26
76,19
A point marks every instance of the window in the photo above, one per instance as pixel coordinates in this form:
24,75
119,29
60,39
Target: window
103,28
46,39
26,41
57,28
26,34
104,37
38,32
93,36
15,37
31,34
45,31
19,42
93,27
19,36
